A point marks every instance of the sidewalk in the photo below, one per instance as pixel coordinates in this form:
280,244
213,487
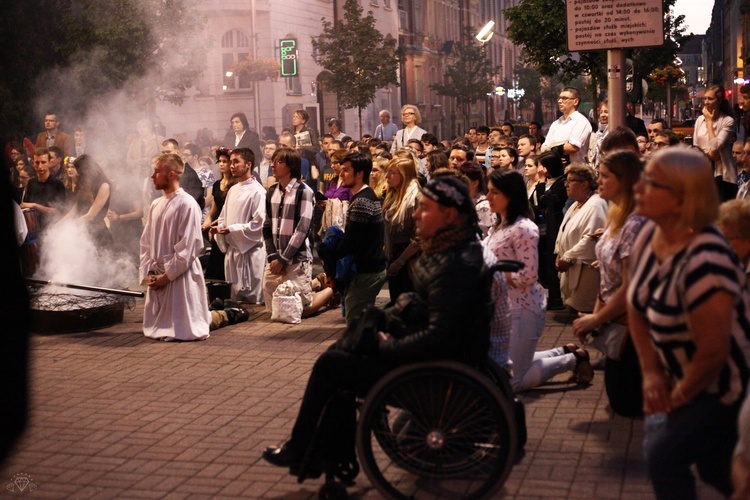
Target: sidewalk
116,415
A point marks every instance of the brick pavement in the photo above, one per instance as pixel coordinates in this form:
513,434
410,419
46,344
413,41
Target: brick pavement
116,415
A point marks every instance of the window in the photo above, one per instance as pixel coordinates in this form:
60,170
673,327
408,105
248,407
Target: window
387,4
235,46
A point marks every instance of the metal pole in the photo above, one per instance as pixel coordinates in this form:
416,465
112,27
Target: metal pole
89,288
669,105
256,97
616,87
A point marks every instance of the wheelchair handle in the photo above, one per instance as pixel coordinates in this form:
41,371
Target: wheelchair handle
506,266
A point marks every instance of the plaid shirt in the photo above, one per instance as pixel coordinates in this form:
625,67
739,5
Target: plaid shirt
283,239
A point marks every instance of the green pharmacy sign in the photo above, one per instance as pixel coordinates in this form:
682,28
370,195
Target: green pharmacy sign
288,57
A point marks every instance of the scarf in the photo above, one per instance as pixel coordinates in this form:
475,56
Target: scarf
448,237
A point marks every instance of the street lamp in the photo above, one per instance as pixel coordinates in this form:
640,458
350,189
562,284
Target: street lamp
486,33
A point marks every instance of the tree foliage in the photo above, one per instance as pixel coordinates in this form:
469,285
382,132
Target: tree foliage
470,75
545,45
68,53
357,58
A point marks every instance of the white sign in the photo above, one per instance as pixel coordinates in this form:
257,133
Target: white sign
614,24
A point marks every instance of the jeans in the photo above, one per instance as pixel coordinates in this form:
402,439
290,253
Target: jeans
531,368
703,433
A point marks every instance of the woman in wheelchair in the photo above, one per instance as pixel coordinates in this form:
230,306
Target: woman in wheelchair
445,318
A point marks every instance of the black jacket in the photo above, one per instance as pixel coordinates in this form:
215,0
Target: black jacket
448,314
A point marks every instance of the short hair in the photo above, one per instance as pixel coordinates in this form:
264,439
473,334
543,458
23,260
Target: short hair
642,134
419,144
552,163
291,158
339,154
173,142
374,142
327,136
417,114
692,177
475,172
194,149
538,125
334,121
745,89
531,138
41,152
365,137
303,114
385,112
174,162
430,139
585,172
734,215
620,138
576,93
247,155
339,143
58,151
483,129
669,135
513,187
662,121
243,119
289,136
360,163
508,124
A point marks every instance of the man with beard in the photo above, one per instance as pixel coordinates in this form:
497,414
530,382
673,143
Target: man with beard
176,307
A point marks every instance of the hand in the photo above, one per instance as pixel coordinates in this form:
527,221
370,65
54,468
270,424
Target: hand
156,281
276,267
112,215
220,230
597,234
321,205
708,115
656,393
585,323
383,337
740,478
561,264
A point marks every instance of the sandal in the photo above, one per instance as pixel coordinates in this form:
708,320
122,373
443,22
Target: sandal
583,373
570,348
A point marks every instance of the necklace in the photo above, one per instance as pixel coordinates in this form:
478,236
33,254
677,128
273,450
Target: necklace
582,203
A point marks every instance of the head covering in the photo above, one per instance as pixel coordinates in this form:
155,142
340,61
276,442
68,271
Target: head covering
450,191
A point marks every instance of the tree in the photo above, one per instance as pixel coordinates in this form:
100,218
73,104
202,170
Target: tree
79,51
470,76
357,58
545,46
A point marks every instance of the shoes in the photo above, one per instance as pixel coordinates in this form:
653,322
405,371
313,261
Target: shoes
283,456
236,315
334,301
228,303
583,373
286,456
216,305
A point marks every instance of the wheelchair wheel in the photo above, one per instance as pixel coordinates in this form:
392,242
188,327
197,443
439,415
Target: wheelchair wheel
437,429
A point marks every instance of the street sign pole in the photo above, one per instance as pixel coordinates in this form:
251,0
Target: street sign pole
616,87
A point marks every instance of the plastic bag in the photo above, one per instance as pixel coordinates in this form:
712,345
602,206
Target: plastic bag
286,304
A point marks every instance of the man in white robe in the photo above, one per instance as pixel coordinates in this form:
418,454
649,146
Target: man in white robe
176,306
239,231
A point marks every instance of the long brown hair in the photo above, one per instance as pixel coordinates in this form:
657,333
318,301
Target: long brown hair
627,167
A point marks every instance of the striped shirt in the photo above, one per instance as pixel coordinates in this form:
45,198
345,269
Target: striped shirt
665,293
289,214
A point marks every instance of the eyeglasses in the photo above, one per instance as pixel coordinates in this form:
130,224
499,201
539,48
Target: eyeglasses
563,98
656,185
408,113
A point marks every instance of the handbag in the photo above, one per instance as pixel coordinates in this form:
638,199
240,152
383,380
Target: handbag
610,339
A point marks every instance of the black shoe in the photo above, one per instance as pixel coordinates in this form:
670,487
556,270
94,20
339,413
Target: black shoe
216,305
283,456
555,306
231,303
236,315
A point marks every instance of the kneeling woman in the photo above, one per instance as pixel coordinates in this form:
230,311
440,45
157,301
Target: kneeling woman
516,237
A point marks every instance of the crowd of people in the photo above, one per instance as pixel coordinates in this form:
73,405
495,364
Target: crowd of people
644,239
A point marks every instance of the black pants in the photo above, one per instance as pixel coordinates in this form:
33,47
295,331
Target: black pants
727,190
623,382
334,371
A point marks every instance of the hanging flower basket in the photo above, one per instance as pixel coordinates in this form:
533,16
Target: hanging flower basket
668,75
257,69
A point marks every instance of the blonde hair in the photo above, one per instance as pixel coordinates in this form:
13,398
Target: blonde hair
381,164
417,114
690,174
174,162
734,216
394,197
627,167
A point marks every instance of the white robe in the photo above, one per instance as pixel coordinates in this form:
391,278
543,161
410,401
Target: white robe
245,255
171,243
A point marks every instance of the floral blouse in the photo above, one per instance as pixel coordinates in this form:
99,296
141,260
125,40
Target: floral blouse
519,241
610,252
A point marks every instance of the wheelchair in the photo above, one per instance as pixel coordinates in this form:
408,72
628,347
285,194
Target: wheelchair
439,429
